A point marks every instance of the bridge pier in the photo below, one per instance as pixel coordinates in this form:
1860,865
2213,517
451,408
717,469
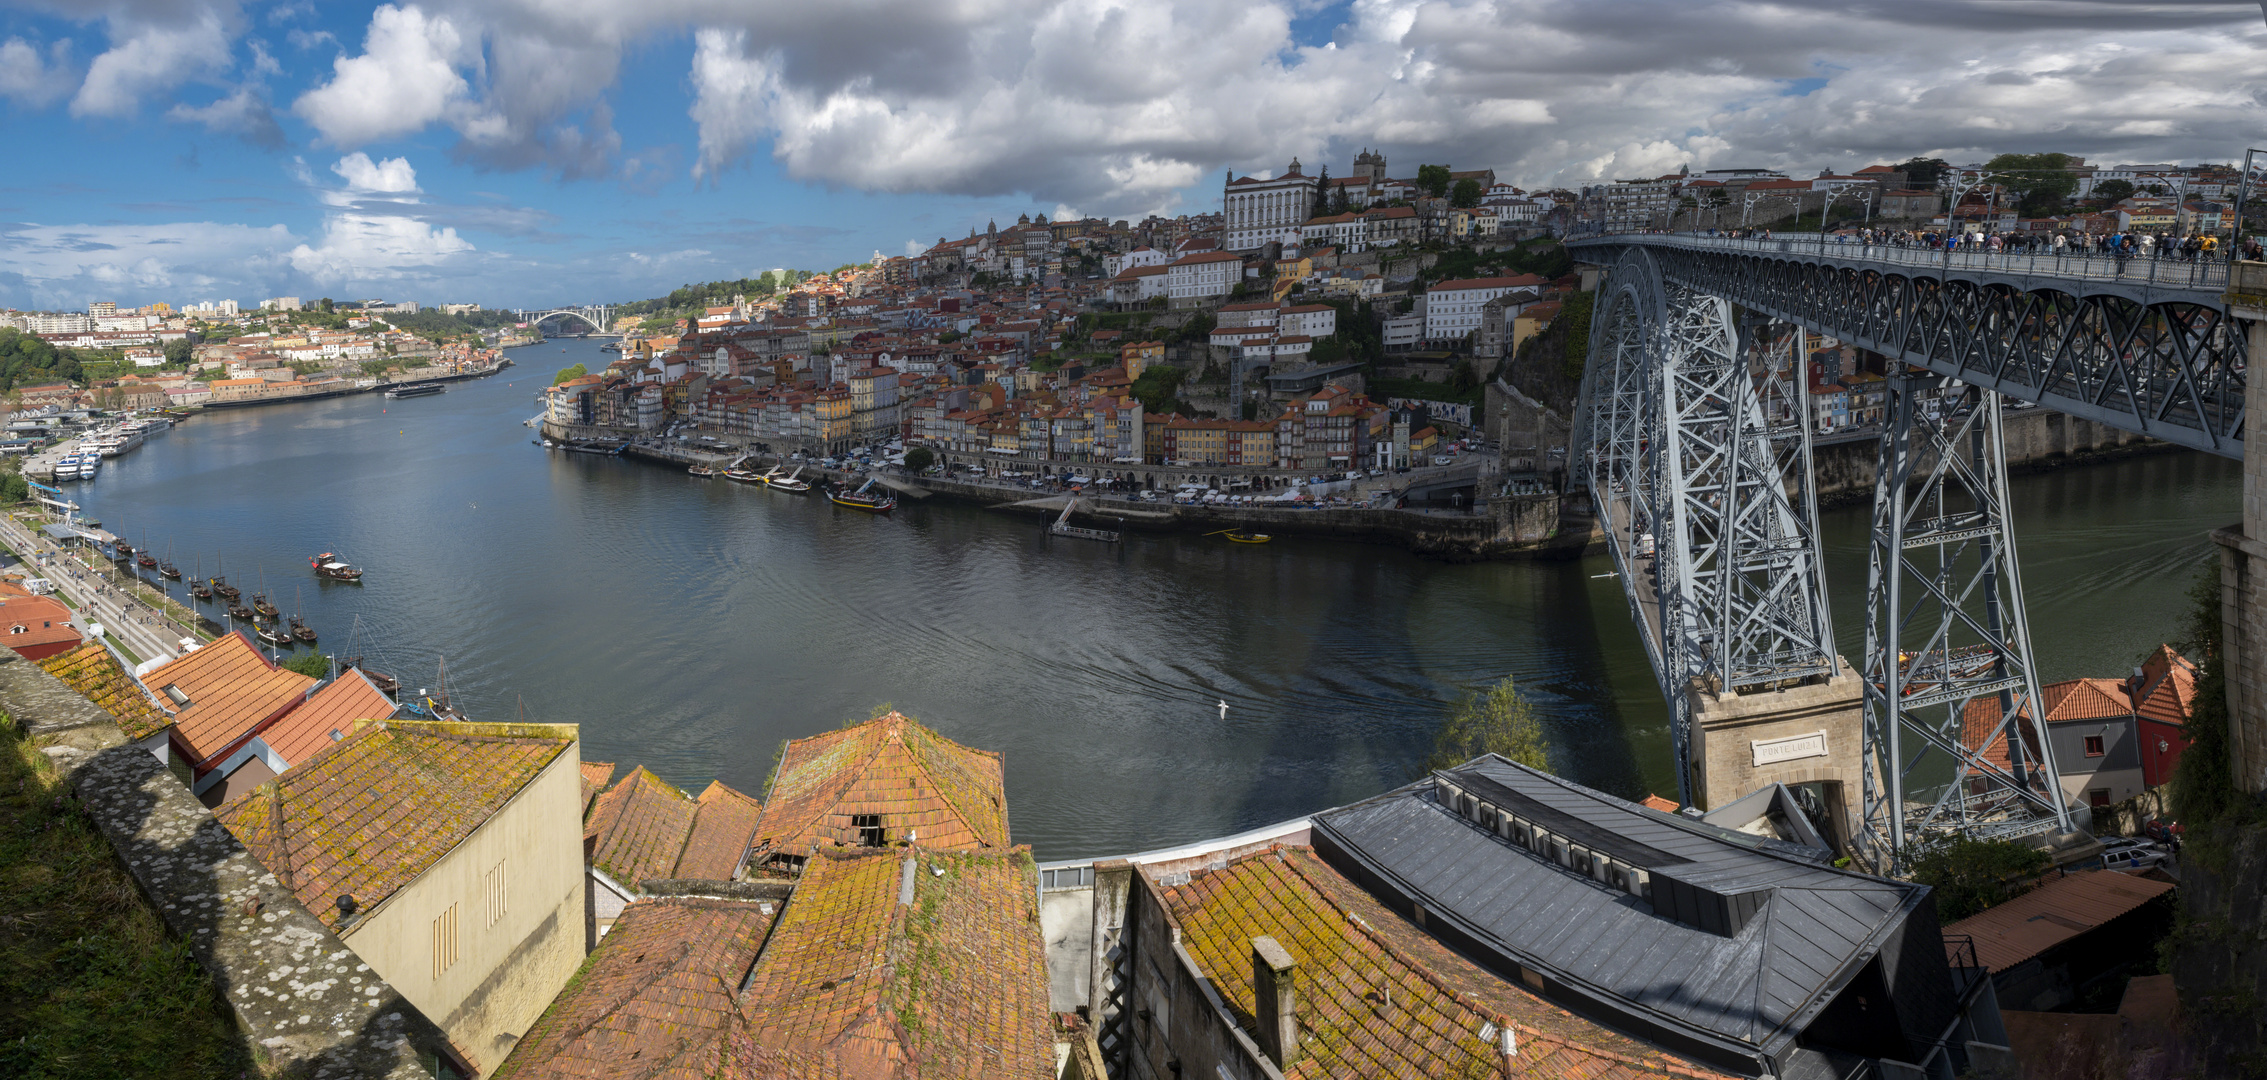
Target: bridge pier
2243,555
1806,734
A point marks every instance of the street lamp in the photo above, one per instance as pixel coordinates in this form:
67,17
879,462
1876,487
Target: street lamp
1863,193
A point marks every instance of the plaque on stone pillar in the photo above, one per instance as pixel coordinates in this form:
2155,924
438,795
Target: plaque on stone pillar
1791,748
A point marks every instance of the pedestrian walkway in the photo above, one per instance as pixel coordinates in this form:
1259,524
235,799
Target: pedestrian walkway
141,628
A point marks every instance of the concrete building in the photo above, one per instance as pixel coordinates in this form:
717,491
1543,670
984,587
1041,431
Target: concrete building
1193,279
1258,212
1453,309
446,855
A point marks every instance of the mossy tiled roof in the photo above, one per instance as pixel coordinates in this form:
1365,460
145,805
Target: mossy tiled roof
894,768
853,983
595,775
638,827
377,808
656,999
722,830
98,677
1378,997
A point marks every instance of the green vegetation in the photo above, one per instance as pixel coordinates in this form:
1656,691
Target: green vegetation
1971,875
95,984
2039,182
1156,386
2204,787
1544,258
918,460
1197,329
1496,720
1923,172
1574,314
14,488
689,298
2112,192
1433,179
314,665
571,371
26,359
1467,192
437,326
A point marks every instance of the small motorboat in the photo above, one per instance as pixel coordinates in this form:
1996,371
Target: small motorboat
1246,536
703,470
330,568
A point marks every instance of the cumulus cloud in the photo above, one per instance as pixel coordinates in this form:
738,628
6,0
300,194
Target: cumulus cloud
67,265
404,80
244,113
376,247
391,175
32,78
154,53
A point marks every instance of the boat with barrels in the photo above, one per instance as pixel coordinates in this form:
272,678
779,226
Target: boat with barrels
330,567
864,497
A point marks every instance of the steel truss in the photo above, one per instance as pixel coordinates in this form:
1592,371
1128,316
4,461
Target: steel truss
1701,466
2168,363
1948,668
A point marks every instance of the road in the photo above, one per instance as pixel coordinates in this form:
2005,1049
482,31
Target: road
99,592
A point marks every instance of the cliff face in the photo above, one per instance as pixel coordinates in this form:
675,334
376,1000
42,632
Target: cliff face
2218,952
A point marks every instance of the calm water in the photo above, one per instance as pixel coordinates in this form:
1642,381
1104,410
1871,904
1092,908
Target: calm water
693,625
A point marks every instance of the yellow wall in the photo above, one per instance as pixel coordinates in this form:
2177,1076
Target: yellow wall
505,975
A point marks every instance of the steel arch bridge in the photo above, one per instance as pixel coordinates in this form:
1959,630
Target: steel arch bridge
598,316
1694,444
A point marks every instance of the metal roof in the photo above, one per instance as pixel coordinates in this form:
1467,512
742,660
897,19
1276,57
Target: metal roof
1811,929
2053,913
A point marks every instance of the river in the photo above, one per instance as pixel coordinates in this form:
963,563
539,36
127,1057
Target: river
693,625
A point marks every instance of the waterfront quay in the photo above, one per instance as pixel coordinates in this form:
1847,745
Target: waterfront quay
142,620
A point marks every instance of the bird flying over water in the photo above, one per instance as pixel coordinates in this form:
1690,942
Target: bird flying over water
1224,709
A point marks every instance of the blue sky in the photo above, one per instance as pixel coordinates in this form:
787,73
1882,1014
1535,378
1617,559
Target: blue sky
538,151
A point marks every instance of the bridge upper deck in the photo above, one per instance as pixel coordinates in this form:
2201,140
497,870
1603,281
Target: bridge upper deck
2144,280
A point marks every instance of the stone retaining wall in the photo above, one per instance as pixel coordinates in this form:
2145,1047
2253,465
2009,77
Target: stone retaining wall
309,1006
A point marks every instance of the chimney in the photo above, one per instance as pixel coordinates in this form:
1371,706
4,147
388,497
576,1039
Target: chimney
1277,1001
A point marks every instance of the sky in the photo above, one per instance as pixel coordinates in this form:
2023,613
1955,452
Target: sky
542,152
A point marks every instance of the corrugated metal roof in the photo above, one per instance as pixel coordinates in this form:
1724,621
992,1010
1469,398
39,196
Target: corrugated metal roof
2053,913
1813,922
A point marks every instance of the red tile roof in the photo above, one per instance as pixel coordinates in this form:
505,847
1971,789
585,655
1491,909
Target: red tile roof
595,775
45,622
911,777
308,729
98,677
638,828
2060,909
723,828
371,812
2168,688
654,1000
1379,996
232,691
855,984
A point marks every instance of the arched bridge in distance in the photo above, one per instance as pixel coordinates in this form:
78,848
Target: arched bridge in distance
597,316
1693,439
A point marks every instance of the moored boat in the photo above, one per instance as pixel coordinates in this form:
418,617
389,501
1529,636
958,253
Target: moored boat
224,590
745,476
237,610
703,470
416,390
261,606
864,498
274,635
1246,536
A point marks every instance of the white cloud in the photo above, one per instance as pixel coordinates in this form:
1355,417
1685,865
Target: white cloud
376,247
362,174
244,113
405,79
33,79
147,56
67,265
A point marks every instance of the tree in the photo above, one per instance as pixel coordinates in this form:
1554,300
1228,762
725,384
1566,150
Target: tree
2038,182
2112,192
178,352
1492,721
918,460
572,371
314,665
1969,876
1467,192
14,488
1923,172
326,305
1433,179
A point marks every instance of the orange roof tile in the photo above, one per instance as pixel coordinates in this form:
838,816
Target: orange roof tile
368,814
654,1000
1665,806
2168,688
2085,699
1354,956
914,779
638,828
723,828
595,775
309,728
852,983
98,677
2061,908
232,691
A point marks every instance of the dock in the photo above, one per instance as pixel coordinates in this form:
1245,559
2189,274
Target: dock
1063,527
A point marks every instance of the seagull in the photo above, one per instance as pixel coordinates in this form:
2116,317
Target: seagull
1224,709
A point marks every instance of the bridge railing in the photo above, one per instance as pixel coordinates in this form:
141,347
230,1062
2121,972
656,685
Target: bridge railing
2165,271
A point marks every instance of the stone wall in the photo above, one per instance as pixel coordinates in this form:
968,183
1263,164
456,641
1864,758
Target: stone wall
306,1001
2036,438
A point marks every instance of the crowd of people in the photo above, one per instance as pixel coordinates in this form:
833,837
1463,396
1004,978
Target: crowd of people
2122,245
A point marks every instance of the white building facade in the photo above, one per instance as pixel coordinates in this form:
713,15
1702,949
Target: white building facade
1258,212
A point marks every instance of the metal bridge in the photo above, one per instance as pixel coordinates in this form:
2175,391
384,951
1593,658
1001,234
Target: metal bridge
599,316
1693,438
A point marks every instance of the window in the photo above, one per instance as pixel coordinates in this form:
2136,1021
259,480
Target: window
2098,796
869,828
2093,746
445,940
495,892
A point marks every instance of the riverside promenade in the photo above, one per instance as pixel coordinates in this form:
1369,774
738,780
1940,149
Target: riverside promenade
129,610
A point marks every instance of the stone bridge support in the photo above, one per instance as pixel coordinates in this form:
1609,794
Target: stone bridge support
2243,555
1810,734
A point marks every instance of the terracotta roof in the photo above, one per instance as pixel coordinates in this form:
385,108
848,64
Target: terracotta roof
853,983
654,1000
723,828
1354,955
2085,699
98,677
231,690
638,828
893,767
2168,688
370,813
45,621
2061,908
595,775
1665,806
308,729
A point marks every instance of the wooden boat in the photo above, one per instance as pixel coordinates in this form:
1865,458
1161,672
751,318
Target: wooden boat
328,567
789,483
385,683
274,635
1246,536
239,611
224,590
166,569
299,627
145,560
703,470
745,476
123,549
262,608
864,498
198,587
435,705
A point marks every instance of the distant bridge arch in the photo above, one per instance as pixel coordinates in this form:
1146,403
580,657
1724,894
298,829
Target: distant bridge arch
598,317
